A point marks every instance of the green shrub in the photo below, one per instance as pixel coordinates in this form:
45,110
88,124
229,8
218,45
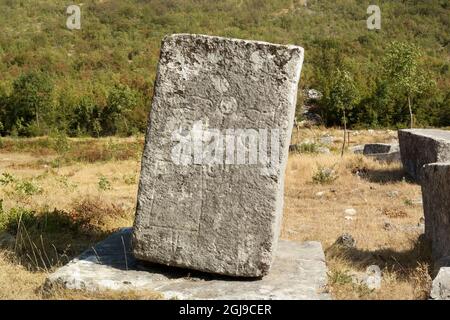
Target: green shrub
104,184
6,179
27,188
60,143
324,175
305,147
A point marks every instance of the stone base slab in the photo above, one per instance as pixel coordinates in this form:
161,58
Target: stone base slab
298,272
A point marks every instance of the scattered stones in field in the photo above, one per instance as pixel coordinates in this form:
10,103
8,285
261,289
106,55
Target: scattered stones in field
320,194
371,278
323,150
346,240
349,218
327,140
350,212
183,218
7,241
423,146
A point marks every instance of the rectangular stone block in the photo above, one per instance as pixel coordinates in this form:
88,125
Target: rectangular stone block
436,206
379,148
421,146
211,187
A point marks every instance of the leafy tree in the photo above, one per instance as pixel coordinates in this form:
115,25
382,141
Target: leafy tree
121,102
402,69
343,96
31,100
84,118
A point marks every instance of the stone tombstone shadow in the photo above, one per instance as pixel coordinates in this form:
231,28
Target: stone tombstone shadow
211,187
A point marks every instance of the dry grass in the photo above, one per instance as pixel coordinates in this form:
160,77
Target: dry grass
380,195
62,294
16,282
101,191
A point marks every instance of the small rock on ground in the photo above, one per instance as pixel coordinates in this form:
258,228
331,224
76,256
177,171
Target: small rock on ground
346,240
350,212
371,278
7,241
323,150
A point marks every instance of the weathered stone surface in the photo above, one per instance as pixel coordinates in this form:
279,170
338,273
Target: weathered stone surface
358,149
436,205
346,240
440,289
298,272
216,217
383,152
372,148
386,157
372,278
7,241
326,140
422,146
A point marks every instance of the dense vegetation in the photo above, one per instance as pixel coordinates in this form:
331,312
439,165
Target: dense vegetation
99,80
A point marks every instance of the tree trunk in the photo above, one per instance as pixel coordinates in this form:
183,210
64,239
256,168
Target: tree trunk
411,116
37,116
345,133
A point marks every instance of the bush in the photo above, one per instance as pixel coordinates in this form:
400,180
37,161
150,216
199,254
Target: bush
27,188
324,175
305,147
104,184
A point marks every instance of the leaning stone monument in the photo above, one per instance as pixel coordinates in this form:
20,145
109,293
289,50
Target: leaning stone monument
211,188
421,146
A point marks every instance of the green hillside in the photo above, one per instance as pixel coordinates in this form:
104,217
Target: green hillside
99,80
